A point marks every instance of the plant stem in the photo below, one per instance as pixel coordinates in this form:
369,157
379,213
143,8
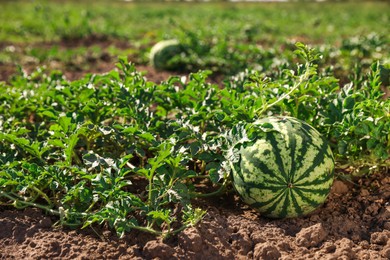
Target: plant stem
302,78
214,193
19,200
43,195
33,204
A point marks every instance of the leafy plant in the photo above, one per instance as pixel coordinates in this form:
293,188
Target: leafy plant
120,150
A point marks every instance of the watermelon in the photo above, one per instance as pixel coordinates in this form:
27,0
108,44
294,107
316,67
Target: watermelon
384,73
286,170
163,52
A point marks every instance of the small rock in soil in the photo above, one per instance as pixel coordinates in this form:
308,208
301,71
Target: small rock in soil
311,236
266,251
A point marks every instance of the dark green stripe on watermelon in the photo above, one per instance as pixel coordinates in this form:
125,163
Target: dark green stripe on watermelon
283,213
315,182
318,160
296,205
282,171
272,203
312,203
293,148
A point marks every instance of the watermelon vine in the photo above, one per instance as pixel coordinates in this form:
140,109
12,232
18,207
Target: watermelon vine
119,150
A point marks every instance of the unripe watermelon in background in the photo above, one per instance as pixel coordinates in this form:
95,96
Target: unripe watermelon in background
286,171
384,72
162,54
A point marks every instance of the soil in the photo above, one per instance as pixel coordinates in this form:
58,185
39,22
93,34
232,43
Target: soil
354,222
80,66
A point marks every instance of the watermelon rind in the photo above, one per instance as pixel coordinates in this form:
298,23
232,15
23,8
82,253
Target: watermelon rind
286,171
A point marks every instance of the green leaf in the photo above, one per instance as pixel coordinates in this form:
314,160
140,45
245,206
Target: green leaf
214,171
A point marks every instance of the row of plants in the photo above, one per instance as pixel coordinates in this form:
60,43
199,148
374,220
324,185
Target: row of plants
120,150
29,21
227,57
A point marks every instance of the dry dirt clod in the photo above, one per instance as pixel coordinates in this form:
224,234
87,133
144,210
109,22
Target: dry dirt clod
190,240
311,236
380,238
364,193
384,214
339,187
241,242
266,251
284,246
329,247
257,237
156,249
386,252
344,249
386,225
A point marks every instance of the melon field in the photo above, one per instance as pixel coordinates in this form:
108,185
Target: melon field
194,130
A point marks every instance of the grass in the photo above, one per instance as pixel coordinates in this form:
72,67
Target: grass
53,20
225,38
120,150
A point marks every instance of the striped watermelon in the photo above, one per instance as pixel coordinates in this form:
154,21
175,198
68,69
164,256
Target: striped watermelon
286,171
163,52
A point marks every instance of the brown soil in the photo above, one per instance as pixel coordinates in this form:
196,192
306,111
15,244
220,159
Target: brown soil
79,67
354,223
